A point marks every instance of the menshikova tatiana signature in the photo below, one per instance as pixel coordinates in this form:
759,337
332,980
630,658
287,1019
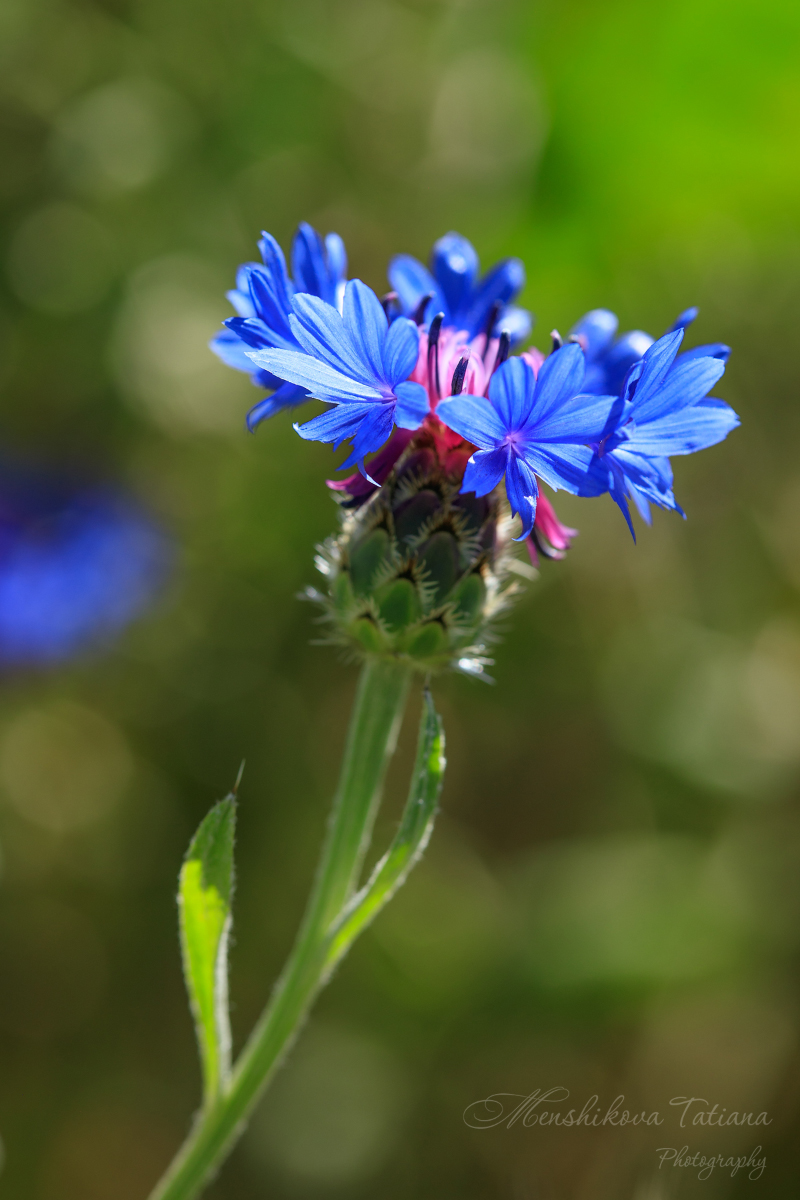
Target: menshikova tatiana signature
507,1108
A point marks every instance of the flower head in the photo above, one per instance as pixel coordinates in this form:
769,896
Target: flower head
76,567
425,383
667,410
263,301
357,362
452,287
531,426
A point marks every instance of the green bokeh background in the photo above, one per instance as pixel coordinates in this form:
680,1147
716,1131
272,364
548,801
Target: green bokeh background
610,903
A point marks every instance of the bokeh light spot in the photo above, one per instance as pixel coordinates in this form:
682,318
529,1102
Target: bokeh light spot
332,1118
487,117
61,259
63,766
160,351
118,137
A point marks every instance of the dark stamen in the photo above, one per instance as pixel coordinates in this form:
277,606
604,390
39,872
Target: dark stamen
418,315
491,321
459,376
433,354
502,351
387,301
558,341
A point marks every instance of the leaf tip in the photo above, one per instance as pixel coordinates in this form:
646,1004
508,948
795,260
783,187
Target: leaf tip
212,847
240,773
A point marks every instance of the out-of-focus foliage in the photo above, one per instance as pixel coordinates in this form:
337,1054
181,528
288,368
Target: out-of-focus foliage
610,902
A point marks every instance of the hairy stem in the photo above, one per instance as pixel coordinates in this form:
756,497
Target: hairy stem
374,725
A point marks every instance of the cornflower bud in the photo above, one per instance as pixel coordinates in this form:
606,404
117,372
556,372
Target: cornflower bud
419,570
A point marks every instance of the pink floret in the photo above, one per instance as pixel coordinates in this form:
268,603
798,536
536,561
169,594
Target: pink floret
549,536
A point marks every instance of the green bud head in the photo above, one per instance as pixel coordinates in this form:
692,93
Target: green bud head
419,572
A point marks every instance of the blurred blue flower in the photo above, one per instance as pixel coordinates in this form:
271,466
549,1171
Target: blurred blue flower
667,411
263,300
608,361
76,567
533,425
355,361
468,303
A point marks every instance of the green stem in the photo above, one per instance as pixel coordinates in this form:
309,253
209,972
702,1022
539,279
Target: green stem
374,725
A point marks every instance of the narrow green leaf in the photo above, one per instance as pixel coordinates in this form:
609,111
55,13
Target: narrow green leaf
409,842
204,900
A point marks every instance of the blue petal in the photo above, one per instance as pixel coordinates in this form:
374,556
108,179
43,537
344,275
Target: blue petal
266,380
286,396
366,325
271,303
685,384
335,425
523,493
516,322
474,418
619,494
255,334
270,286
454,264
711,350
572,468
232,350
484,471
595,331
684,319
655,365
595,379
652,476
320,330
401,350
505,280
319,267
683,432
512,390
275,264
559,379
641,502
412,405
596,480
337,266
309,267
629,349
646,480
412,281
320,380
240,295
373,430
584,418
241,302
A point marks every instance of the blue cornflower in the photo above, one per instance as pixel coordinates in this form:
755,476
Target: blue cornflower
608,361
76,567
355,361
263,299
468,303
532,426
667,411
